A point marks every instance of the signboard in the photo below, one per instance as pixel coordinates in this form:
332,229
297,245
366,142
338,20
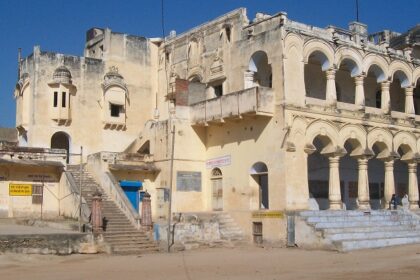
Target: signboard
268,214
219,161
187,181
20,189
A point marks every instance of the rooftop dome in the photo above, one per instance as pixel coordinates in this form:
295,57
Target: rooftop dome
62,75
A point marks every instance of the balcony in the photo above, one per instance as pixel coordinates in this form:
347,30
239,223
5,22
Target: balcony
256,101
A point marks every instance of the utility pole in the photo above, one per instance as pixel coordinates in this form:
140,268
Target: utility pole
357,10
170,188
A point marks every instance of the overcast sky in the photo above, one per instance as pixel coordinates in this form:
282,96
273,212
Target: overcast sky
60,25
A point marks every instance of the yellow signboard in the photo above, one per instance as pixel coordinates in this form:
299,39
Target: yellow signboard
20,189
268,214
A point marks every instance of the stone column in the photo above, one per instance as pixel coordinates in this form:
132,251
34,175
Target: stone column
389,188
248,79
363,184
409,102
331,91
146,212
413,191
334,192
360,92
385,98
96,213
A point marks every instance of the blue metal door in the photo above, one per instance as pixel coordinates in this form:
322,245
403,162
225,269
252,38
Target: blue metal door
131,190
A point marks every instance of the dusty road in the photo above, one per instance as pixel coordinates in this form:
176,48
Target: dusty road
240,263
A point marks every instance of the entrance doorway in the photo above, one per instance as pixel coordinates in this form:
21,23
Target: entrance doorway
259,173
217,189
131,190
60,140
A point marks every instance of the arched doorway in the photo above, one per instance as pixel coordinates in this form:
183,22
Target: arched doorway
259,173
217,189
60,140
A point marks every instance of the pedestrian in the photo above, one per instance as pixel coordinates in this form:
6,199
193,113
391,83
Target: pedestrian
393,202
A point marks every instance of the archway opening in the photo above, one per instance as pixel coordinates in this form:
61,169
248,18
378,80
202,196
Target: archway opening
349,174
318,174
401,171
60,140
345,81
372,86
217,189
259,172
258,64
416,97
376,173
315,80
396,91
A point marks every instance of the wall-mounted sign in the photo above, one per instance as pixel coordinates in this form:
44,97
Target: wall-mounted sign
219,161
188,181
268,214
20,189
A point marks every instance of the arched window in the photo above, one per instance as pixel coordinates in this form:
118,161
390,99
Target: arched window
115,99
217,189
259,173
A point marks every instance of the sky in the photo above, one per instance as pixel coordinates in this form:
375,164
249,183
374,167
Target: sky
60,25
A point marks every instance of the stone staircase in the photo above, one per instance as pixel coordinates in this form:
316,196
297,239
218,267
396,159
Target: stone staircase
229,230
119,232
354,230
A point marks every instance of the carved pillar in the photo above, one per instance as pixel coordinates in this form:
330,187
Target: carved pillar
96,213
248,79
385,98
363,184
331,91
360,92
389,188
409,102
413,191
334,192
146,212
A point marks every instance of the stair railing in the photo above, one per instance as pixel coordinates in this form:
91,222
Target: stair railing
116,193
74,193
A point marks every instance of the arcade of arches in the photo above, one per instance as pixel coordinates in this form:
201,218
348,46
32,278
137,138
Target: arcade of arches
351,168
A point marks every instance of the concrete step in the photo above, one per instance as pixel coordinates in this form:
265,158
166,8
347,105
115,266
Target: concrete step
363,224
374,218
372,235
370,229
349,213
350,245
134,251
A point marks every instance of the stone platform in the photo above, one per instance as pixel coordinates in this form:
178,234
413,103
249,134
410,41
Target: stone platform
354,230
16,238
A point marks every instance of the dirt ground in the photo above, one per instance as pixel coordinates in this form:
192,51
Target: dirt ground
239,263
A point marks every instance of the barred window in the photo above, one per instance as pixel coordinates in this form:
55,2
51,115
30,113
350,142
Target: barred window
37,194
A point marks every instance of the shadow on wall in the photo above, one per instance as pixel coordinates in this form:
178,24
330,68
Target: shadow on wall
232,131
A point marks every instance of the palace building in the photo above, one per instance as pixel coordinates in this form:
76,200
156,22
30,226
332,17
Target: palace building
255,119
